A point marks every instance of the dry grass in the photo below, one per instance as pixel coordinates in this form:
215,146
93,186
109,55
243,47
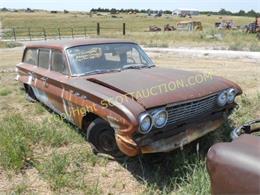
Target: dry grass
136,27
58,160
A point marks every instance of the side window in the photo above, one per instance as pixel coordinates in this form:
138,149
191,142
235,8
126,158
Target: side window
133,57
58,62
30,56
44,58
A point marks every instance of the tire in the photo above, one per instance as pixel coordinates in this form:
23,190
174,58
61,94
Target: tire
102,137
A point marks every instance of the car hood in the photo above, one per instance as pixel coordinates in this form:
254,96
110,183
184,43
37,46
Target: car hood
153,87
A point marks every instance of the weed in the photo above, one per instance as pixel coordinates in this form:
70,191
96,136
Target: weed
15,152
55,171
5,92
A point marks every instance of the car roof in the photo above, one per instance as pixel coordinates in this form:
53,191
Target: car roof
63,44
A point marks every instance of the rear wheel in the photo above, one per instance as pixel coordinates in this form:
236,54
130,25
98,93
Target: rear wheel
102,136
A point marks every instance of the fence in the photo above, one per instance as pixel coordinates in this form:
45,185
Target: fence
22,33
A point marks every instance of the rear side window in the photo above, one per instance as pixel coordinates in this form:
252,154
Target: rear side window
58,62
44,56
30,56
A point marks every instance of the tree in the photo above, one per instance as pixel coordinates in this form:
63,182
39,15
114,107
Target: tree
241,13
224,12
251,13
4,9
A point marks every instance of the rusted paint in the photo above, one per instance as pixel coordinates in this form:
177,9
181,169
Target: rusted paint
65,93
189,135
234,167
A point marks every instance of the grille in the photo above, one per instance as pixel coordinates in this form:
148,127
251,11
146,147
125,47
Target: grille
180,113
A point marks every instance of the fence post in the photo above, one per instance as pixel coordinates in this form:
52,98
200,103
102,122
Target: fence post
59,33
29,33
14,34
44,34
72,33
98,29
85,31
123,28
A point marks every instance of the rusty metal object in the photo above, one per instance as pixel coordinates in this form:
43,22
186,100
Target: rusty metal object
189,26
234,167
249,127
189,134
167,27
81,99
154,28
254,27
226,25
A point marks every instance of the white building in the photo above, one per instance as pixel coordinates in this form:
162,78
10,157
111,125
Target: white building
192,12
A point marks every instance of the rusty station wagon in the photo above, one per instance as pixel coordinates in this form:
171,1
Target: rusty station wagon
124,104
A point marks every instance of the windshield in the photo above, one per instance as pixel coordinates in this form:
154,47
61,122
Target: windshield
101,58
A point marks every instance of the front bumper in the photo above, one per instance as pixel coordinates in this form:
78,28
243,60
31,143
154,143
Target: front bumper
172,138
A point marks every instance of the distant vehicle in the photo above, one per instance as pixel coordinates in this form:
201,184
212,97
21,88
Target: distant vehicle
112,90
253,27
154,28
189,26
226,25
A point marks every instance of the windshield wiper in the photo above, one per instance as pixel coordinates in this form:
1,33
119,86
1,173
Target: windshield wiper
98,71
136,66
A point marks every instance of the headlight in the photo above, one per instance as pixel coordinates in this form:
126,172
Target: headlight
222,99
231,95
160,118
146,123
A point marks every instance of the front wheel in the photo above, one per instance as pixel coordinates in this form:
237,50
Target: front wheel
102,137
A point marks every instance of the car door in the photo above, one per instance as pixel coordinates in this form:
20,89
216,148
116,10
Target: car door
57,77
40,77
53,73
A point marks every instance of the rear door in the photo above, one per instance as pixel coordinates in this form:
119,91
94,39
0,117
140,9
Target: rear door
57,77
53,73
40,77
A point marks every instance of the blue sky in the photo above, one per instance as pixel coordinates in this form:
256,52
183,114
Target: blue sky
85,5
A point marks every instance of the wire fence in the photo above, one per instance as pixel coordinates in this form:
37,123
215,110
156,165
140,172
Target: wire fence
45,33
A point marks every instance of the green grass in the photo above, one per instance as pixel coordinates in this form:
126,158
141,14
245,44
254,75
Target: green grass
20,189
5,92
136,29
19,134
68,171
9,44
15,151
54,170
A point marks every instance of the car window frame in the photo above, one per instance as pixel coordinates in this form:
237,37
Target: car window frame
64,59
37,55
49,59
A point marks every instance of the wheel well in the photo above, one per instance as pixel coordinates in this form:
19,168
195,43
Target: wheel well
25,87
87,119
29,91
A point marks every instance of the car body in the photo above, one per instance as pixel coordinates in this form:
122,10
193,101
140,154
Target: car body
124,103
234,167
